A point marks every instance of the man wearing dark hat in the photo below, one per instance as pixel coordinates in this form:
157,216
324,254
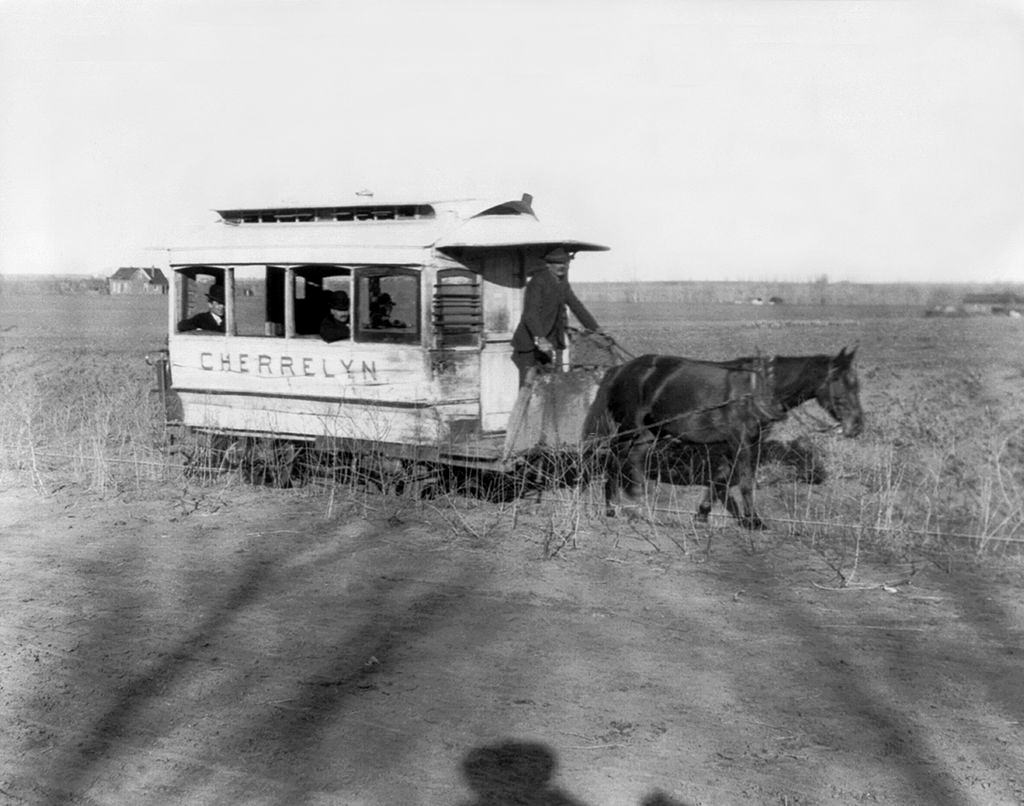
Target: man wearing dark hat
335,326
541,330
380,313
212,319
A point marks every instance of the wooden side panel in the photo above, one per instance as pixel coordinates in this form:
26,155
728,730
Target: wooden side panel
303,417
301,368
306,387
503,306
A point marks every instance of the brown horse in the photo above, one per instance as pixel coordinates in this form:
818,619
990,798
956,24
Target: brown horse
658,405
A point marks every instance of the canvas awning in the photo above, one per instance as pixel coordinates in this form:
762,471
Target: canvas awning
494,231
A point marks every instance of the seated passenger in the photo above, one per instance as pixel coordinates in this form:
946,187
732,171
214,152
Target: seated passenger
212,319
380,313
335,326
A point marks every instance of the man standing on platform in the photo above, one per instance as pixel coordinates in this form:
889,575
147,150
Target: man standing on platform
540,335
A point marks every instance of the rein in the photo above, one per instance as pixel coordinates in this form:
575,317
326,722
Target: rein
603,341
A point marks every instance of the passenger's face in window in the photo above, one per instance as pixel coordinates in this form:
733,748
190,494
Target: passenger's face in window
340,315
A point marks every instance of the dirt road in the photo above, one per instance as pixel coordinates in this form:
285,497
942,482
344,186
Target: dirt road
235,645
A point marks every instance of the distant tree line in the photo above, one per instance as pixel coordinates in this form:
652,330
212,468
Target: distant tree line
815,292
15,285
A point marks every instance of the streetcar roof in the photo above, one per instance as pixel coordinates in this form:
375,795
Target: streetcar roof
370,231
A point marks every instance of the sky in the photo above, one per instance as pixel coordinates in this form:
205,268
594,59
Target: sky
871,141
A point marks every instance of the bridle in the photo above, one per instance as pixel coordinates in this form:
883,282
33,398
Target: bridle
836,405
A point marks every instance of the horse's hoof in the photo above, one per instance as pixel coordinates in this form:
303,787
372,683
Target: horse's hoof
754,523
702,515
609,512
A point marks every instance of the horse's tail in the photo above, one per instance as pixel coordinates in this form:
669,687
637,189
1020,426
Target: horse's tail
598,427
598,424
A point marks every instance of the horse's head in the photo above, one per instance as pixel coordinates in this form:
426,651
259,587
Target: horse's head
839,394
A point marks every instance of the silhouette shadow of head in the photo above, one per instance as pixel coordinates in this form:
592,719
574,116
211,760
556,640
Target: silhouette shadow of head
513,774
659,798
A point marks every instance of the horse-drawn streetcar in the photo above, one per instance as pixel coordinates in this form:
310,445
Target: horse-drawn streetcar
418,377
377,339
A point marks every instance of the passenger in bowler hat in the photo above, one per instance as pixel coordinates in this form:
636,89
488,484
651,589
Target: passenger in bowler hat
336,325
213,319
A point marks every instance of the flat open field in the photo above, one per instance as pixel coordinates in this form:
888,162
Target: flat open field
168,641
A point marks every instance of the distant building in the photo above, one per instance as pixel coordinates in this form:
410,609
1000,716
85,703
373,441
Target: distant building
1005,303
134,280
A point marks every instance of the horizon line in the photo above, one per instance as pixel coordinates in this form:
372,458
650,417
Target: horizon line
41,277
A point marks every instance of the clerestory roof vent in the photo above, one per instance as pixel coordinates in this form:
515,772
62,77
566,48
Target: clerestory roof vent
363,212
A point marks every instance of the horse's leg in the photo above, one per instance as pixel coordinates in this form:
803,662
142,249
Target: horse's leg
622,473
704,509
635,466
705,467
717,469
612,478
745,479
716,489
738,511
733,469
721,488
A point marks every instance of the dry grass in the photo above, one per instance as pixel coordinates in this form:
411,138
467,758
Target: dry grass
84,419
939,470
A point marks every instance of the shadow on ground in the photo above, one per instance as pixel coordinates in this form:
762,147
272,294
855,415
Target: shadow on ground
516,773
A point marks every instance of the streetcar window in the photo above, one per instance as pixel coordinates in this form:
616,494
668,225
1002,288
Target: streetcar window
388,305
197,288
384,300
314,288
252,317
